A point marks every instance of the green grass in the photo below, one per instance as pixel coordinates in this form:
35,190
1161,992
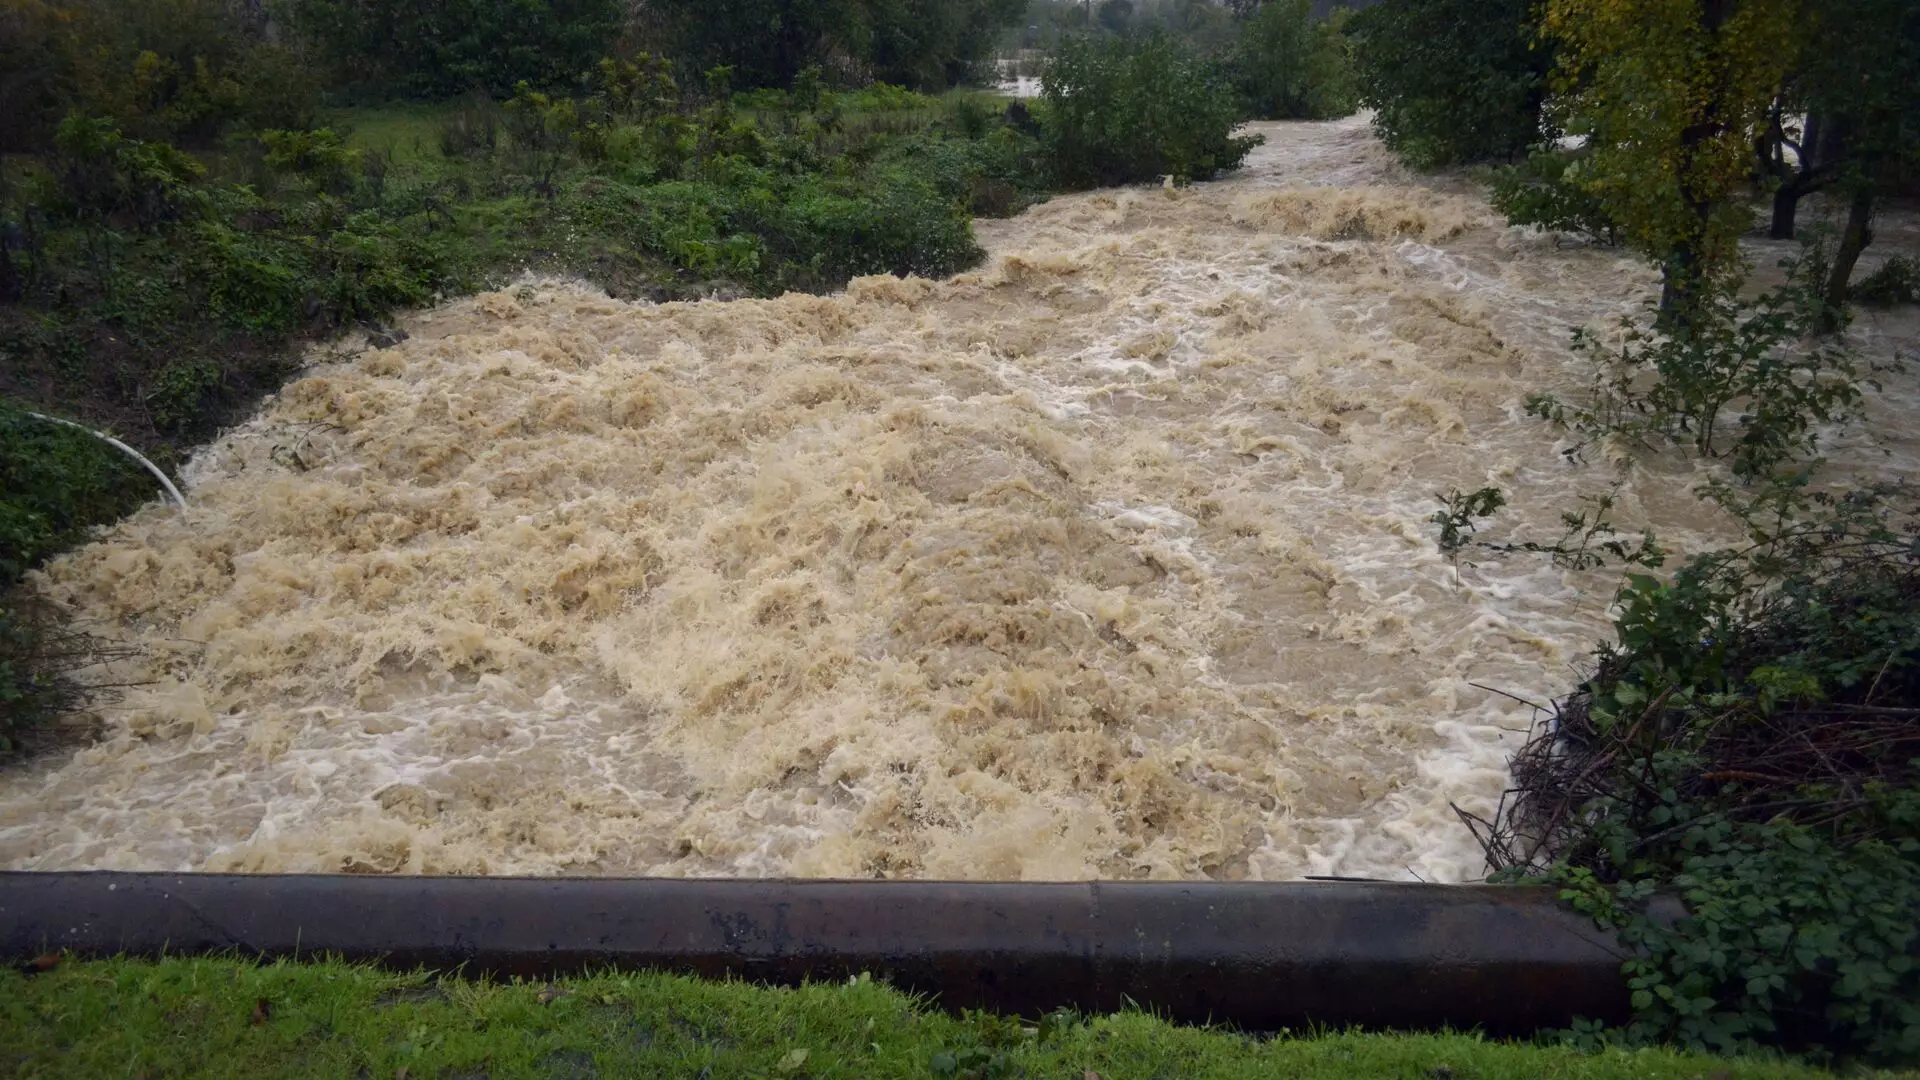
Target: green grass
227,1018
410,132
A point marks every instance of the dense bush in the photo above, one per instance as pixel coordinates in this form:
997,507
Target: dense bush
55,483
1452,81
1896,282
1540,191
1751,744
1744,379
1122,110
170,70
397,48
925,44
1287,66
776,232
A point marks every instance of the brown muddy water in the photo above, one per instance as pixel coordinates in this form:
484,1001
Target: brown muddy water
1106,560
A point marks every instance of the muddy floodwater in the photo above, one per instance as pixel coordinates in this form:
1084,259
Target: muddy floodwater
1108,559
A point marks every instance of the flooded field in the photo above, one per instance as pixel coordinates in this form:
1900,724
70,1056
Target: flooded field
1108,559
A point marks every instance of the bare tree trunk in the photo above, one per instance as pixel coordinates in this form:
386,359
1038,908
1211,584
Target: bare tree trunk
1681,284
1821,151
1786,206
10,287
1858,234
1683,275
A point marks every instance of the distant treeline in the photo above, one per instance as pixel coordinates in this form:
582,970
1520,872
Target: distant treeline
1211,26
195,65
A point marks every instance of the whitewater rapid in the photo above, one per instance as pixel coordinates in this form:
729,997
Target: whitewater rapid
1108,559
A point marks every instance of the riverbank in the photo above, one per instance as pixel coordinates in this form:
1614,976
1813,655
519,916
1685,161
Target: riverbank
230,1018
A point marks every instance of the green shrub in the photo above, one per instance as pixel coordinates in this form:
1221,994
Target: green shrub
543,131
1751,745
1125,110
1538,192
321,158
56,482
1287,66
881,97
895,223
1896,282
473,129
253,282
1751,368
105,175
181,394
369,266
970,117
992,177
161,70
635,89
771,232
1452,81
380,49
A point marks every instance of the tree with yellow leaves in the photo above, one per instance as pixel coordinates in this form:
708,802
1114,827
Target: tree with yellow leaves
1670,95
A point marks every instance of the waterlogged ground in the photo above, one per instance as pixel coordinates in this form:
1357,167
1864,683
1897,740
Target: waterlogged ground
1106,560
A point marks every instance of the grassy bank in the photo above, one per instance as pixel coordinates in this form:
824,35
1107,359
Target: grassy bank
222,1018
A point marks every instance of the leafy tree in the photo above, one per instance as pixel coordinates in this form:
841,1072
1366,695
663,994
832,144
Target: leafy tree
442,48
1537,191
1857,85
1290,67
1452,81
1860,78
36,74
1815,145
765,42
1671,95
934,44
1123,110
180,70
924,43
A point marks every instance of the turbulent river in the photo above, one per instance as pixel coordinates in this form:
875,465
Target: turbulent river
1108,559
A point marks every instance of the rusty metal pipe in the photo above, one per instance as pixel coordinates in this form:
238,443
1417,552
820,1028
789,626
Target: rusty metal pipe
1259,956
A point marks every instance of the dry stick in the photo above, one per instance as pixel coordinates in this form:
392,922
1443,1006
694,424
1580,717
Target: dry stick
1509,697
1825,761
1878,710
1871,690
1742,774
